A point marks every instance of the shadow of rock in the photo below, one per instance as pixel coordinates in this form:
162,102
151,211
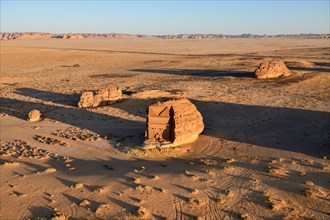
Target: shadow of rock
37,212
326,64
127,206
59,98
297,130
83,118
200,73
314,69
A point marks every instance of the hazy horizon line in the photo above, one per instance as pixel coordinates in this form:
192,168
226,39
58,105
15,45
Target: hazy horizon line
100,33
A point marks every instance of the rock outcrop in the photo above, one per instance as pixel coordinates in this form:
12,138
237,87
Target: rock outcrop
17,35
103,96
272,69
73,36
25,36
86,100
172,123
34,115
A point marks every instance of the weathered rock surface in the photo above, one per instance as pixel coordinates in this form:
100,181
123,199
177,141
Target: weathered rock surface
103,96
86,100
272,69
107,95
172,123
34,115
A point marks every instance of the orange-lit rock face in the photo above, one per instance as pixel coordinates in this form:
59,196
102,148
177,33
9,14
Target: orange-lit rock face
273,69
107,95
173,122
102,97
86,100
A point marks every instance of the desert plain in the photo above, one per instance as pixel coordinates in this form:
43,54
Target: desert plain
263,154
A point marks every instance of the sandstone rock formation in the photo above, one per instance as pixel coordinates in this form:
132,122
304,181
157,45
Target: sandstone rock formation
35,35
172,123
31,36
73,36
86,100
272,69
24,36
34,115
104,96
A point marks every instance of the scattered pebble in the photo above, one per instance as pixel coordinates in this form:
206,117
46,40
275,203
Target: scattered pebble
246,217
277,171
140,170
85,203
309,183
228,168
195,202
99,190
194,191
75,134
275,204
50,170
155,177
103,209
325,167
312,192
51,141
141,188
230,160
19,148
10,163
77,186
58,216
142,212
210,172
230,193
136,180
21,195
208,162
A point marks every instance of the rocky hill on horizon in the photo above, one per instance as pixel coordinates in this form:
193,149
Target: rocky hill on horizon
40,35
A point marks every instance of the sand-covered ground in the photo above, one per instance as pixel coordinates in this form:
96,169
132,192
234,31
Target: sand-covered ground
263,153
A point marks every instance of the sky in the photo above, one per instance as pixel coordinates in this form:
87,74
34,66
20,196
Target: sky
166,17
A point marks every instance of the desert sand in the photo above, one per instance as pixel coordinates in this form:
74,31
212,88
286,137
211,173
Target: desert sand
263,153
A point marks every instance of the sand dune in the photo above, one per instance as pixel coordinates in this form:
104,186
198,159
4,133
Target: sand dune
263,153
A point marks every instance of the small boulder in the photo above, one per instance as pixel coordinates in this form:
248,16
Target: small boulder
34,115
272,69
103,96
